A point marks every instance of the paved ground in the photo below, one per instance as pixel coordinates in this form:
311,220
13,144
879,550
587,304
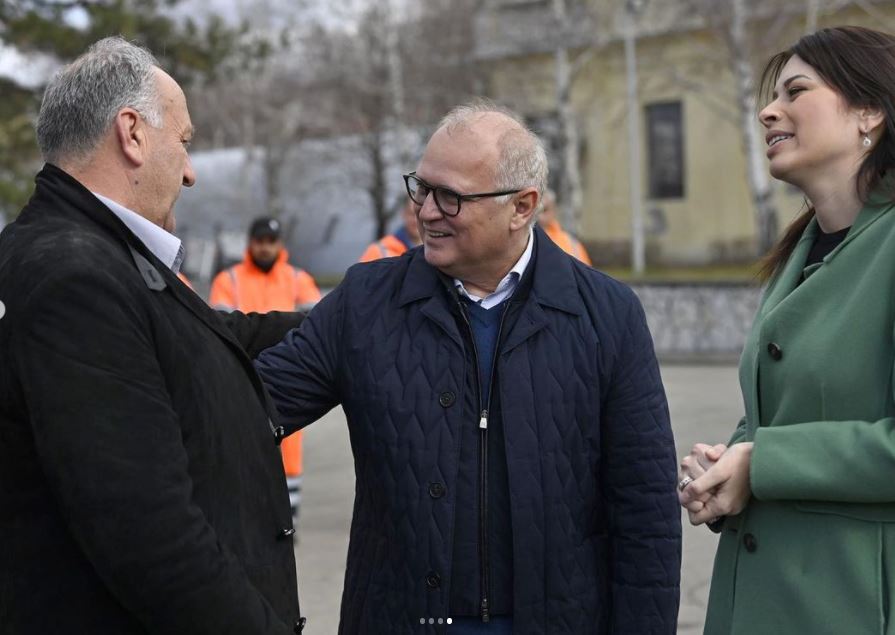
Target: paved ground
705,406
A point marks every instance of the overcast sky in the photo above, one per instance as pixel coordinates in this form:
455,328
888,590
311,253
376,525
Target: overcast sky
34,70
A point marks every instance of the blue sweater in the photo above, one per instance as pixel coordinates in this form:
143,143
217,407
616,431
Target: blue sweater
466,587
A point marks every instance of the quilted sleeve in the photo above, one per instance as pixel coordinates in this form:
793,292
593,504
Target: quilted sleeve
301,372
639,479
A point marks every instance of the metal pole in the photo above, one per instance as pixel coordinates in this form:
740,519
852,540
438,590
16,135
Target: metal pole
638,261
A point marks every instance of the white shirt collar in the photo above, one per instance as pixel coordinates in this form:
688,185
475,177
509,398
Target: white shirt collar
164,245
507,285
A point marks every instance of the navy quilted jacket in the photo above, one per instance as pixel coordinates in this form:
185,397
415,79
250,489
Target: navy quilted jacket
590,455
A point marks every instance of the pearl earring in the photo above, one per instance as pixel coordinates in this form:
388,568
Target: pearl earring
866,142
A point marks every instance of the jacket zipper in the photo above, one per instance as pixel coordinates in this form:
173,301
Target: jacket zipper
485,604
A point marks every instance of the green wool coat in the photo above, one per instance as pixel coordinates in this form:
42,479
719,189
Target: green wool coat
814,550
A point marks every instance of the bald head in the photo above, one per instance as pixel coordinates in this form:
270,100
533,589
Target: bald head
515,155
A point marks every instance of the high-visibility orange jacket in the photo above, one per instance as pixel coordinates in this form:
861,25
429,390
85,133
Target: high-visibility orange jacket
244,287
385,247
566,241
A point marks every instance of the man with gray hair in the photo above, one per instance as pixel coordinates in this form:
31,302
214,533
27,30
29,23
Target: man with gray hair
515,464
140,483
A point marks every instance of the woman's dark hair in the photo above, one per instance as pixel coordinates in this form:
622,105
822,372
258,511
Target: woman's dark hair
859,64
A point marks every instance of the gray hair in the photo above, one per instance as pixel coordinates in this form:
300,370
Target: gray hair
82,99
522,160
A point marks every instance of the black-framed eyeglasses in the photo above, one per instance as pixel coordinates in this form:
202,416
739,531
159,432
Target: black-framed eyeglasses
447,201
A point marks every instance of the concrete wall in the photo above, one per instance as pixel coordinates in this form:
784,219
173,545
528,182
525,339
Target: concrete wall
699,322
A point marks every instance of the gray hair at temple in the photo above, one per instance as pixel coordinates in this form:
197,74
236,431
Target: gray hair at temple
81,101
523,159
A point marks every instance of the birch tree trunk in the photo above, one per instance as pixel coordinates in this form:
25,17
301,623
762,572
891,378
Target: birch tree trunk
760,185
569,195
811,11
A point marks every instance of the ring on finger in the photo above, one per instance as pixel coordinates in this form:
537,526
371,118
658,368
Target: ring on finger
684,482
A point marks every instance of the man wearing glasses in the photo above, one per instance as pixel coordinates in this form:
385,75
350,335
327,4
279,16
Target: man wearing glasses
514,460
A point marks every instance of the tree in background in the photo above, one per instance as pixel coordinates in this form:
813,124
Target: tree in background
396,77
190,52
379,78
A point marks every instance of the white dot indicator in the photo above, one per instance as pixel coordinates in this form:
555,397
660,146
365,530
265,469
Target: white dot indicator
431,620
450,620
440,620
422,620
2,310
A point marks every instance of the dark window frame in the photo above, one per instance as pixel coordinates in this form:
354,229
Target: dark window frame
666,167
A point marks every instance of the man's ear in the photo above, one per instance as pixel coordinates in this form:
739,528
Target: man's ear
526,203
130,135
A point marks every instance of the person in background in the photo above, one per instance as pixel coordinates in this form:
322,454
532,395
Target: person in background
395,244
803,494
514,457
548,219
265,281
182,277
141,490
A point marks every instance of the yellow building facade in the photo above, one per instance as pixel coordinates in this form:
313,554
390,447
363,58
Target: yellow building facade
696,199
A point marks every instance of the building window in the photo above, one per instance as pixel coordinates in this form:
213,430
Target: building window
665,135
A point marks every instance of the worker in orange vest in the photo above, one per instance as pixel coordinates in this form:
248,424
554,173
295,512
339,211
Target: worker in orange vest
265,281
549,222
397,243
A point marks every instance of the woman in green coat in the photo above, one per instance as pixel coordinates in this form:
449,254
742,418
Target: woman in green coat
804,496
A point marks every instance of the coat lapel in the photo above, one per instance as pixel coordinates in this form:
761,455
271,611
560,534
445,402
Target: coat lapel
788,278
424,282
785,288
795,270
56,184
552,285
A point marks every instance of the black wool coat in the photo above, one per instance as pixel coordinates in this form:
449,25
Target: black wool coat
141,487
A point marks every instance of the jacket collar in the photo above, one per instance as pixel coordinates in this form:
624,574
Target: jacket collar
553,282
55,184
878,203
58,190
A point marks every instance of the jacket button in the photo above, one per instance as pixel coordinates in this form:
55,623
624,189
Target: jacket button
775,351
433,580
750,543
299,625
286,532
447,399
436,490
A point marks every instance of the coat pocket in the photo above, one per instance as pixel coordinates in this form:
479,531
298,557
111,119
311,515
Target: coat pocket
876,522
869,512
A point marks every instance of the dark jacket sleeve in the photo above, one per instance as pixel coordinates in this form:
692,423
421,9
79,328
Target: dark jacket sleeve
112,449
301,372
257,331
639,477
